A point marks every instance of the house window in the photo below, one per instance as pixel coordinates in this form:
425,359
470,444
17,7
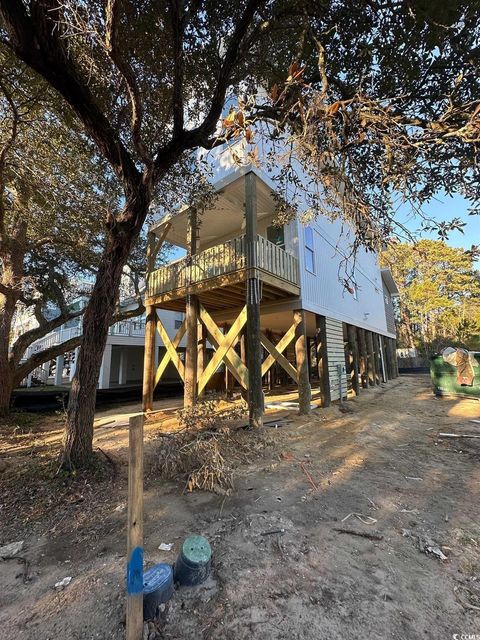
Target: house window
276,235
309,250
178,324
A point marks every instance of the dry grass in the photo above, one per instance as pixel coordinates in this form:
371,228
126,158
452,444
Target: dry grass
208,448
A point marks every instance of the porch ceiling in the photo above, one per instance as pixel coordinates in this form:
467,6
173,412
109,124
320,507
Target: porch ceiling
224,219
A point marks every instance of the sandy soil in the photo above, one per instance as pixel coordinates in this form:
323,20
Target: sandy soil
383,460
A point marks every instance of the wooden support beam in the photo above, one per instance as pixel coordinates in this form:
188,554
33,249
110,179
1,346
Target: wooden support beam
388,357
201,349
191,317
149,359
135,530
225,344
352,339
370,359
253,294
322,360
231,359
278,349
304,389
383,356
276,355
228,375
167,356
395,358
172,351
362,345
378,362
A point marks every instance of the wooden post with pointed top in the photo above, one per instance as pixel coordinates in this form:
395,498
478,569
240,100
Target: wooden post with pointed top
135,530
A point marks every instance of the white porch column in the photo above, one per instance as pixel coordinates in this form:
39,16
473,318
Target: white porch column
73,365
59,364
104,377
45,371
122,367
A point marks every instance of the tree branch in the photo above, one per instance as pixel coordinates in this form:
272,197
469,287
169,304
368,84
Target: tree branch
111,43
178,26
36,39
200,135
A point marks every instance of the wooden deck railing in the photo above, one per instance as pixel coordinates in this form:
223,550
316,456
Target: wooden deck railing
222,259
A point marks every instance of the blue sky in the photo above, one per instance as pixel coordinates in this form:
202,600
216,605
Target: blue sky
445,208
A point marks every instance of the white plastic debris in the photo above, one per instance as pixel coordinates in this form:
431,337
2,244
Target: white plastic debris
164,546
61,584
10,550
121,507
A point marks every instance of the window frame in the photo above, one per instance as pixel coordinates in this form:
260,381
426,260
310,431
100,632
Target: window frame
309,248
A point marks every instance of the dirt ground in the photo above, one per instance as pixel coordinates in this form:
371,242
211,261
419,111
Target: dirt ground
383,460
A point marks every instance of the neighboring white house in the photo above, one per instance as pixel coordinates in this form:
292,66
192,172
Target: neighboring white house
122,362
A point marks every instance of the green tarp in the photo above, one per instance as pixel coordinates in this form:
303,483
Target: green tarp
444,378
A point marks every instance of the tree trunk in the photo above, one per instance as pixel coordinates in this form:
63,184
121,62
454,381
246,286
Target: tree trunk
78,436
6,386
12,270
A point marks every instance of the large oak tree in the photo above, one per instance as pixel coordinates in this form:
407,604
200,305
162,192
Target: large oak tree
381,99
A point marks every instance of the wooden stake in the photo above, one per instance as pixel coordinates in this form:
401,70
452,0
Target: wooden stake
304,390
135,530
352,339
254,347
149,358
370,359
322,360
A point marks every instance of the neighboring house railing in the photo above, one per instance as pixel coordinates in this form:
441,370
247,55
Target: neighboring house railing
123,328
220,260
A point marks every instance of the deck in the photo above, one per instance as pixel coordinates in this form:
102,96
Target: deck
218,275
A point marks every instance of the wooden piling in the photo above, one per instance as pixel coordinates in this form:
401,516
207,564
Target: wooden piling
352,339
149,358
191,317
135,530
370,359
362,344
322,360
304,390
253,289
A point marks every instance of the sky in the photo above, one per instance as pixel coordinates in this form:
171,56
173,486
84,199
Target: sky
445,208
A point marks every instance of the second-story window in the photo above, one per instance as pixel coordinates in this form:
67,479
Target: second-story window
309,249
